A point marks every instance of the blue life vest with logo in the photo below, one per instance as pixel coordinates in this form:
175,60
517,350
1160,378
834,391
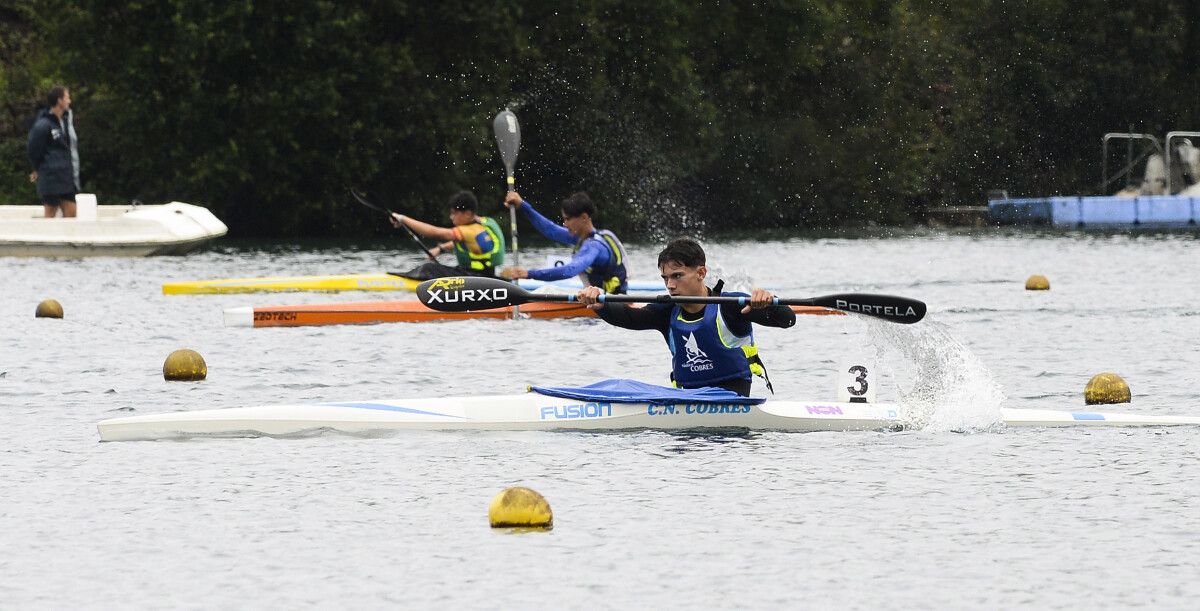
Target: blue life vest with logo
612,277
705,352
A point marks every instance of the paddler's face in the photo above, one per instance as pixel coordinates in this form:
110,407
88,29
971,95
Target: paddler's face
461,217
577,224
682,280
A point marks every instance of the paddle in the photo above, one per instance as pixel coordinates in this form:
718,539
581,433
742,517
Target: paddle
508,139
463,294
363,200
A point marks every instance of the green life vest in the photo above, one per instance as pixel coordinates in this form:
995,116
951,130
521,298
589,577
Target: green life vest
485,259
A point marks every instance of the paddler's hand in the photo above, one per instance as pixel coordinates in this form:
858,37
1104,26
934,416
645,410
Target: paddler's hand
514,273
397,219
513,199
759,298
589,297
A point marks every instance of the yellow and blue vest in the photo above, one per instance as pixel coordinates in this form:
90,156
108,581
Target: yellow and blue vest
479,245
613,277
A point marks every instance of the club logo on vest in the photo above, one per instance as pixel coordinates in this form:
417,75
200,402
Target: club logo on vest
697,360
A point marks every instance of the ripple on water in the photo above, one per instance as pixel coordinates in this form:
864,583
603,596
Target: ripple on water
921,518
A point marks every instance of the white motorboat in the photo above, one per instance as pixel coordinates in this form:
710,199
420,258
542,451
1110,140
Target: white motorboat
115,231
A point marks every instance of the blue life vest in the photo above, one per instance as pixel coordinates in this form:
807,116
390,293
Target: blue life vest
613,277
706,352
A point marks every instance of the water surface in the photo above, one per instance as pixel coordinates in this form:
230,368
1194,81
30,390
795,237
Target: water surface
959,512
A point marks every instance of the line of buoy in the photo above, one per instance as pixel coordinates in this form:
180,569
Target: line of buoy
520,507
184,365
1105,389
1037,282
49,308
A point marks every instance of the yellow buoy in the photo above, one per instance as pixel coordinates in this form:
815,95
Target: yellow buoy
1037,282
521,508
185,365
49,308
1105,388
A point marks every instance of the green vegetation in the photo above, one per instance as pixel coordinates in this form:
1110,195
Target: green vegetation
676,115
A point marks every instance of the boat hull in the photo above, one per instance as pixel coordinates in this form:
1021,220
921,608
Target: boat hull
341,282
526,412
116,231
536,412
376,312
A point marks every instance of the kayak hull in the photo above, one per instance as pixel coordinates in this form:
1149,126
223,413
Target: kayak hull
338,283
376,312
526,412
536,412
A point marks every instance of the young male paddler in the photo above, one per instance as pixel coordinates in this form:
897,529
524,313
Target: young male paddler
599,258
711,345
477,240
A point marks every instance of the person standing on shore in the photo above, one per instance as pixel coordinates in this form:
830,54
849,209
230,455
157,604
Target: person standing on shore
53,152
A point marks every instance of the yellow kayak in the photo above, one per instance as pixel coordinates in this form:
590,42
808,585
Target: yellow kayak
346,282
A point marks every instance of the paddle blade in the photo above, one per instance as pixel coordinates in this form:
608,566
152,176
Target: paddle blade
890,308
465,294
508,138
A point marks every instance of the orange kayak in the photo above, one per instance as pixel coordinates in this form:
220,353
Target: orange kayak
375,312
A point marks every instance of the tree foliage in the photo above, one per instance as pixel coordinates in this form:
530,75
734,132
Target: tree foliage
678,116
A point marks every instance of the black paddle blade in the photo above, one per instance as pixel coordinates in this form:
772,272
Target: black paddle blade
465,294
508,138
890,308
362,199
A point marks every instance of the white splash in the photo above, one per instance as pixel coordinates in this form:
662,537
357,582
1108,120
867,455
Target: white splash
948,388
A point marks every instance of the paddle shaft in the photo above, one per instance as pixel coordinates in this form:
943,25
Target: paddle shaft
465,294
362,200
721,299
508,140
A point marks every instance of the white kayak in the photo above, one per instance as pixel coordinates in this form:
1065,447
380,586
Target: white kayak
537,412
115,231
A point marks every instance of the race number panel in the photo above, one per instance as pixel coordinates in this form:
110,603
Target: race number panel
857,381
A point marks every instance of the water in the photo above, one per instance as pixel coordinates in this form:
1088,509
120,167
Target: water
959,513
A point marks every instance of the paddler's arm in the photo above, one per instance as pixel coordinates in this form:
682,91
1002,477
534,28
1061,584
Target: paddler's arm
652,316
585,258
444,234
544,226
759,312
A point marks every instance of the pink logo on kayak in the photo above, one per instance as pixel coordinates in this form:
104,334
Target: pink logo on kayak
824,410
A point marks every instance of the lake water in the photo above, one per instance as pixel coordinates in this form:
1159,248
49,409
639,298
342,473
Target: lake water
959,512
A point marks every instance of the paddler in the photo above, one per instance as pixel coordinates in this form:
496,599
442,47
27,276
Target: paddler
711,345
599,258
477,241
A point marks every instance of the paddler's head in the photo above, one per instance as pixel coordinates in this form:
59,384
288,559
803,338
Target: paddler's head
577,214
462,208
683,269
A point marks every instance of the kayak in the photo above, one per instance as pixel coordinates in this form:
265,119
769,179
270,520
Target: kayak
346,282
375,312
579,410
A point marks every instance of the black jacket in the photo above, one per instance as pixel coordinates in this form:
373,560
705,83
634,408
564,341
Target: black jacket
53,152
